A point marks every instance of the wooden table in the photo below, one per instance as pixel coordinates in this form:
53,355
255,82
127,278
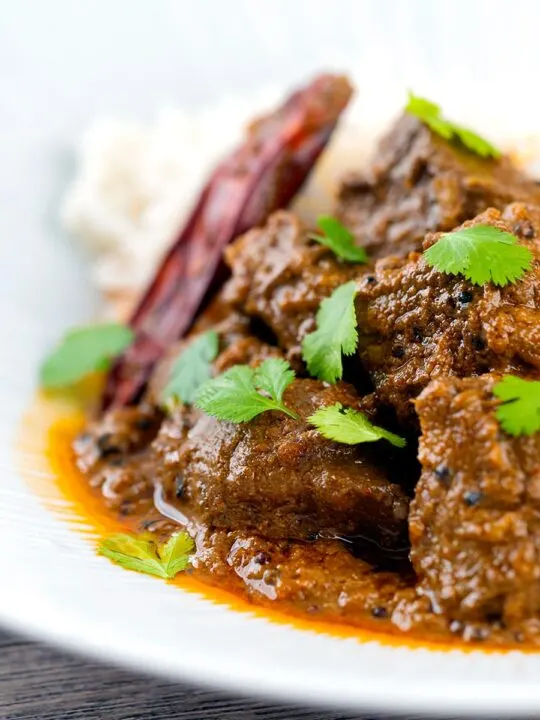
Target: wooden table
42,683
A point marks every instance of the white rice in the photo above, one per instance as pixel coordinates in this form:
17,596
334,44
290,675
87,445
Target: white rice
136,183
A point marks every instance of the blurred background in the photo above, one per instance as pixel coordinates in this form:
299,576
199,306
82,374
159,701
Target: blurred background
78,59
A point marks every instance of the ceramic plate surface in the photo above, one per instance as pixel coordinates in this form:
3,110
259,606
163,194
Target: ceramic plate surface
75,61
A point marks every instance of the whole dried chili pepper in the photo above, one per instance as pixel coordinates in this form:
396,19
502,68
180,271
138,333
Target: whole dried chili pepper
260,176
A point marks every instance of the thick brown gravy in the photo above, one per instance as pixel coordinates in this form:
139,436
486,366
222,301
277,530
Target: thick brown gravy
321,586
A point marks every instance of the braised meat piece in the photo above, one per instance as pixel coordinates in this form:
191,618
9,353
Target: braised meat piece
281,277
475,520
416,324
233,331
418,183
280,477
238,350
321,578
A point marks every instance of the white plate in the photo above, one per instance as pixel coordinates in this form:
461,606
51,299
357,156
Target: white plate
76,60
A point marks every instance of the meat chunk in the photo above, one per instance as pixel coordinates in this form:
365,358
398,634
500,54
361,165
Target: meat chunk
475,520
238,350
416,324
418,183
322,578
281,277
280,477
232,327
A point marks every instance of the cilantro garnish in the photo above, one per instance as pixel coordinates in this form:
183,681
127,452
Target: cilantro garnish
519,413
335,334
191,369
430,114
241,393
350,427
146,556
340,240
482,253
83,351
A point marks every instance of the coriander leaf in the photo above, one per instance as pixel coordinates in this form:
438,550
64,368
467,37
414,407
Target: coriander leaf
274,376
234,396
231,396
430,114
335,334
175,553
145,556
336,237
132,553
520,412
475,142
351,427
191,369
482,253
83,351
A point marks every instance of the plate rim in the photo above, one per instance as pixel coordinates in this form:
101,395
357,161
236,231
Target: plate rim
96,641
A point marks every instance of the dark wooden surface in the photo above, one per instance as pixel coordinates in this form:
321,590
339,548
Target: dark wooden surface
43,683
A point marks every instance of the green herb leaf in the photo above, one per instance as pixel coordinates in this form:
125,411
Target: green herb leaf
482,253
336,237
145,556
351,427
83,351
175,553
335,334
236,395
520,412
430,114
191,369
274,376
232,396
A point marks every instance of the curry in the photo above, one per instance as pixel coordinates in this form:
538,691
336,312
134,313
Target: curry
352,454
